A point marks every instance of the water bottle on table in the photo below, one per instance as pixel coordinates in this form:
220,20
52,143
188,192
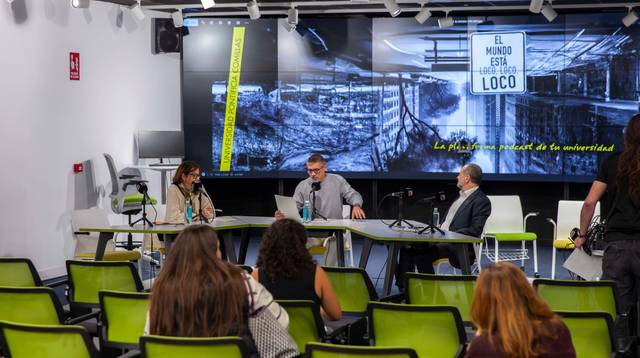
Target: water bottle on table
306,212
188,211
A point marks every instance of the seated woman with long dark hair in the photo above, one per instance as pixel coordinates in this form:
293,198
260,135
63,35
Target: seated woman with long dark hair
287,270
512,320
197,294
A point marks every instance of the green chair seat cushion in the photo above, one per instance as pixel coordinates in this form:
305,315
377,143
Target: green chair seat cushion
513,236
113,255
564,244
133,199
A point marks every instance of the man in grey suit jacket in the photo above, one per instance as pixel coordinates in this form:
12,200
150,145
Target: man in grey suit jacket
467,215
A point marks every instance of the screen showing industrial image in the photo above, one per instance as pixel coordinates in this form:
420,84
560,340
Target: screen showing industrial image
392,98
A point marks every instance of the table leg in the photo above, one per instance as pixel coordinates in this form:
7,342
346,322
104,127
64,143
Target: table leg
340,247
244,245
463,258
229,247
366,251
391,268
168,240
103,239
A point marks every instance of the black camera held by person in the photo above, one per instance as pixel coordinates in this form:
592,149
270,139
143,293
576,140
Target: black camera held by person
594,237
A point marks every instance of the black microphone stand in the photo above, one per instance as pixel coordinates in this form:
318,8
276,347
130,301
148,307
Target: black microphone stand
400,220
431,226
200,213
314,210
142,188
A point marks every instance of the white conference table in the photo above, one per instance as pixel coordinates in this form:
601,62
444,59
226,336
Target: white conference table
372,230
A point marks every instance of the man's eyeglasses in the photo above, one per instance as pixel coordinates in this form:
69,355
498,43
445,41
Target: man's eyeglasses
314,171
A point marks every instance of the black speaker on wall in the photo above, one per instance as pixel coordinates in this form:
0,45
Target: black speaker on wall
166,38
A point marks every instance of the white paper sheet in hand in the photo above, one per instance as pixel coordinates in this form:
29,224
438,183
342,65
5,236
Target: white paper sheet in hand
287,206
583,265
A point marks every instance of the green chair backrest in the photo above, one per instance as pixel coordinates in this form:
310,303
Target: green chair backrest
171,347
353,288
18,272
433,331
31,305
305,323
124,315
591,333
87,278
325,350
441,290
579,296
28,341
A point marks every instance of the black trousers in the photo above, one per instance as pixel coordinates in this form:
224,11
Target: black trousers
423,256
621,263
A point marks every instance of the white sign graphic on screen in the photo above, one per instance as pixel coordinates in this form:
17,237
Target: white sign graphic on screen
498,63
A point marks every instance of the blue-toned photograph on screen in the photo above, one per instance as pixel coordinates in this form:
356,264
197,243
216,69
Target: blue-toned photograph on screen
391,98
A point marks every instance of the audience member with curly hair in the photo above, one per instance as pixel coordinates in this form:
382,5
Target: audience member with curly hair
512,320
288,271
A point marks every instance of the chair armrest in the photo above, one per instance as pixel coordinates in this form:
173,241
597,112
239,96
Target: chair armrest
526,217
57,283
84,317
131,353
81,233
397,298
555,228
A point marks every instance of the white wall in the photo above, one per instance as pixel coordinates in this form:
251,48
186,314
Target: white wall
49,122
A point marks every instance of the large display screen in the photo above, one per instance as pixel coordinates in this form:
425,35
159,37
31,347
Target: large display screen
391,98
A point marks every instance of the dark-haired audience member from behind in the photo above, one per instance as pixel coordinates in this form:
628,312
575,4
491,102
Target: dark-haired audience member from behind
197,294
512,320
619,177
288,271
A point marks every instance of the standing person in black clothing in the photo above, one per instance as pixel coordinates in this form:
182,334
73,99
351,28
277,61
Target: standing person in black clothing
466,215
287,270
619,177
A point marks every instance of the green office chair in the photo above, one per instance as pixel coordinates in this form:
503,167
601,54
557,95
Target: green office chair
353,288
35,305
591,333
124,315
125,201
171,347
325,350
28,341
30,305
18,272
433,331
305,323
579,296
441,290
87,278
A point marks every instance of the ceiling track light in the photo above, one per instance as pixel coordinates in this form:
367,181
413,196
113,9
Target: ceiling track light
292,16
206,4
536,6
136,10
446,21
392,7
253,9
78,4
630,18
548,12
423,15
178,20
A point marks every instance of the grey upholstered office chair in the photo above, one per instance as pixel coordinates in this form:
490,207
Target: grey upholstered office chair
125,199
